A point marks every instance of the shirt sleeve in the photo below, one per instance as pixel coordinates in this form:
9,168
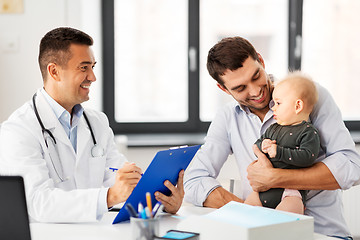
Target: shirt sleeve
102,203
338,148
200,177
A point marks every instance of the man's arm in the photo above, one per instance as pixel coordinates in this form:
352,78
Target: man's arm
219,197
306,178
262,176
340,162
200,177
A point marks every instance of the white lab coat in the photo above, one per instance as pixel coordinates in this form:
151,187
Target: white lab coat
23,152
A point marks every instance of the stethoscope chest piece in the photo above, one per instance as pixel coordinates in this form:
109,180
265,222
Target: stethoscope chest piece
97,151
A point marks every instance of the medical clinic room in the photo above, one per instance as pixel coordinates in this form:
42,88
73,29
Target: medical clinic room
179,119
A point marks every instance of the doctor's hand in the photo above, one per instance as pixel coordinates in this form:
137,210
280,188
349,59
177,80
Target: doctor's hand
125,181
260,172
173,202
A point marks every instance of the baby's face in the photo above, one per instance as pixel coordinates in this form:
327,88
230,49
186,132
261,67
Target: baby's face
284,104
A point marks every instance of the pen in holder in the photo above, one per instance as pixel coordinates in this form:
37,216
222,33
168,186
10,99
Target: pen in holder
144,229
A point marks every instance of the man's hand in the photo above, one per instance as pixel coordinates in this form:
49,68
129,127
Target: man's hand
269,146
125,181
173,202
219,197
260,172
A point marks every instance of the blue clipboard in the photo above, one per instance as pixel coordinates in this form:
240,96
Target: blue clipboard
166,165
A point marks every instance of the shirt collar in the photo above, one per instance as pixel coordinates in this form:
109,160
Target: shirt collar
239,107
61,112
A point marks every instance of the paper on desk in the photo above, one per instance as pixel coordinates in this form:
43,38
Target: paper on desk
248,216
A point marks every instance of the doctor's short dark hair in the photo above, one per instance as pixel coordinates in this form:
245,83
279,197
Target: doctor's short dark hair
55,45
230,53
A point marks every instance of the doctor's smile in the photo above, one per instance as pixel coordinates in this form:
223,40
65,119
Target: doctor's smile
86,86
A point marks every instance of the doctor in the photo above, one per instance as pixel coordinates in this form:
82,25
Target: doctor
63,151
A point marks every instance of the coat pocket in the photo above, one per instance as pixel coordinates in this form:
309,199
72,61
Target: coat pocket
96,171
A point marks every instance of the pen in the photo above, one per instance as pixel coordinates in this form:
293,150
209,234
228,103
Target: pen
148,202
140,209
148,212
143,214
160,209
115,169
156,207
131,210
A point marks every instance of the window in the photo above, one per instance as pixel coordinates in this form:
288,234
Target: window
151,42
331,52
149,86
253,20
155,76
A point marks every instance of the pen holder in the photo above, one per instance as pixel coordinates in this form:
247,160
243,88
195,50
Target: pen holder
144,229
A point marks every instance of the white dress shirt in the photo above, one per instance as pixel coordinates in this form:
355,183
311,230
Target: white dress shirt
235,129
68,122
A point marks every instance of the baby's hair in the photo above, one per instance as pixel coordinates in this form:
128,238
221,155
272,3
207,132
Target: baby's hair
304,86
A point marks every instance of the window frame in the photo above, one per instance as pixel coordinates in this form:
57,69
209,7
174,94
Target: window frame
295,33
194,123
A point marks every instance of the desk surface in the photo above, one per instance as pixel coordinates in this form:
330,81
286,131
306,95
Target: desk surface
106,230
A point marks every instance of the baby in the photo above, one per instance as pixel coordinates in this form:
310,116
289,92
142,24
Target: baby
291,142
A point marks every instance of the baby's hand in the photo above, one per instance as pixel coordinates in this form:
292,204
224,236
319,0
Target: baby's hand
269,146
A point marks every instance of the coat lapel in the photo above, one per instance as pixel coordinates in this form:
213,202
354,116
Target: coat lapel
50,121
83,138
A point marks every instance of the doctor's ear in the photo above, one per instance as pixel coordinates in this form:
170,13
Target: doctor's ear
53,71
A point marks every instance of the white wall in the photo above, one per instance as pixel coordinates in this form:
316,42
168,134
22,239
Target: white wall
19,71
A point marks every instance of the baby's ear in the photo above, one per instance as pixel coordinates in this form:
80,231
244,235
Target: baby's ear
299,106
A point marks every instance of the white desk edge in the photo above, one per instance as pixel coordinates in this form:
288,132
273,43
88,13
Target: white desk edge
106,230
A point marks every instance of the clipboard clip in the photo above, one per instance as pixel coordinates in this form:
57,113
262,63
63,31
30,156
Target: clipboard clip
184,146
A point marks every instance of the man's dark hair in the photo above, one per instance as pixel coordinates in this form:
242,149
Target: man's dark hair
55,46
230,53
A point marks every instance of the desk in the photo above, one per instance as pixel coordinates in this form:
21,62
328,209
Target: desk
105,230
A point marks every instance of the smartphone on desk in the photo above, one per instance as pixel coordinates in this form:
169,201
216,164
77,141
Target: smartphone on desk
176,234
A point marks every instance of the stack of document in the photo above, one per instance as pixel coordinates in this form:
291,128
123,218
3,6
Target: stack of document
240,221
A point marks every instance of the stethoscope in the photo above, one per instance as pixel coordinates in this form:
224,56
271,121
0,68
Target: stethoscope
96,150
